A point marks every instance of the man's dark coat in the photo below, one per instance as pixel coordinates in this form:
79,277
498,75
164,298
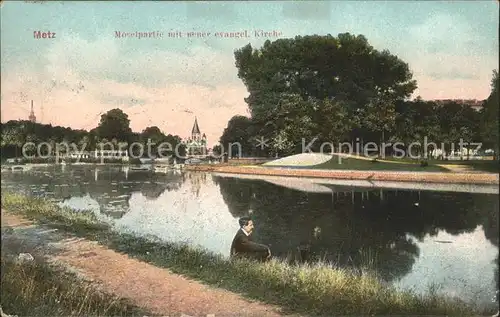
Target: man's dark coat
244,246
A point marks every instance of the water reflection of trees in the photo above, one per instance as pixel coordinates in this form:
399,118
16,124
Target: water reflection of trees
237,194
109,186
158,184
356,228
490,227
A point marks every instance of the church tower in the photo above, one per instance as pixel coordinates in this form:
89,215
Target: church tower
32,117
196,145
195,133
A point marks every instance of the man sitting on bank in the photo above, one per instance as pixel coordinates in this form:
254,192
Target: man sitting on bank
243,246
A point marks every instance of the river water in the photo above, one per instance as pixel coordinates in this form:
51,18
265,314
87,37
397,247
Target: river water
412,238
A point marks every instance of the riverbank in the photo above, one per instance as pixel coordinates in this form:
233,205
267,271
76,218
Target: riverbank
312,290
400,176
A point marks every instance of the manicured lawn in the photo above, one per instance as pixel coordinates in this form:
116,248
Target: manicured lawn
479,165
363,164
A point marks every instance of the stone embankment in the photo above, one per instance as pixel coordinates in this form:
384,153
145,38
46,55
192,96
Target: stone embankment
431,177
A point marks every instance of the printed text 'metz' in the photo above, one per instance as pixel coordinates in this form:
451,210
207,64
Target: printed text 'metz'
44,35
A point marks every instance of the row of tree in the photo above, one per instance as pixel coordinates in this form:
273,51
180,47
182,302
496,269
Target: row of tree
114,127
343,90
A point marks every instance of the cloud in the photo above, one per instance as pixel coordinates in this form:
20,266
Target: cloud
453,74
125,101
82,79
445,75
444,33
108,58
449,58
208,10
307,10
455,89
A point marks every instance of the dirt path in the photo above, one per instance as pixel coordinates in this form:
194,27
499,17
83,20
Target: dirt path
155,289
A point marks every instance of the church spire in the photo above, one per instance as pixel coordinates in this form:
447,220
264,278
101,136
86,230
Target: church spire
32,117
196,128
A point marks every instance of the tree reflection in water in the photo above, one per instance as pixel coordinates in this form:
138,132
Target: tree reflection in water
357,229
109,186
490,227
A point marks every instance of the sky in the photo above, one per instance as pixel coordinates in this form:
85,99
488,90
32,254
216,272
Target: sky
85,70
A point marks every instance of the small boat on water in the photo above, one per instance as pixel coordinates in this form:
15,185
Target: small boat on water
16,168
163,169
139,168
178,166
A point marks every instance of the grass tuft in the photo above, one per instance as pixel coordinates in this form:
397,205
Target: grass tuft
41,289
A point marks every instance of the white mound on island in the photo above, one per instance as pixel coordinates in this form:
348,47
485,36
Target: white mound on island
302,159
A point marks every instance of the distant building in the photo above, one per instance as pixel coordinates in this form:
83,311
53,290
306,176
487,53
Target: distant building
197,143
474,103
32,117
81,155
111,154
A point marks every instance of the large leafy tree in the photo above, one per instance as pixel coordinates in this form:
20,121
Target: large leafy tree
12,139
314,86
489,122
297,123
346,68
114,124
459,124
238,133
291,121
377,117
178,148
154,135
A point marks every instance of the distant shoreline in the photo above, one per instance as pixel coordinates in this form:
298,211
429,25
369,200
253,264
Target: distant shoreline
429,177
480,178
69,164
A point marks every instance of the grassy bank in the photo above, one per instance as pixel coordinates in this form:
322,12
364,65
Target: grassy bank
315,290
486,165
39,289
352,163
